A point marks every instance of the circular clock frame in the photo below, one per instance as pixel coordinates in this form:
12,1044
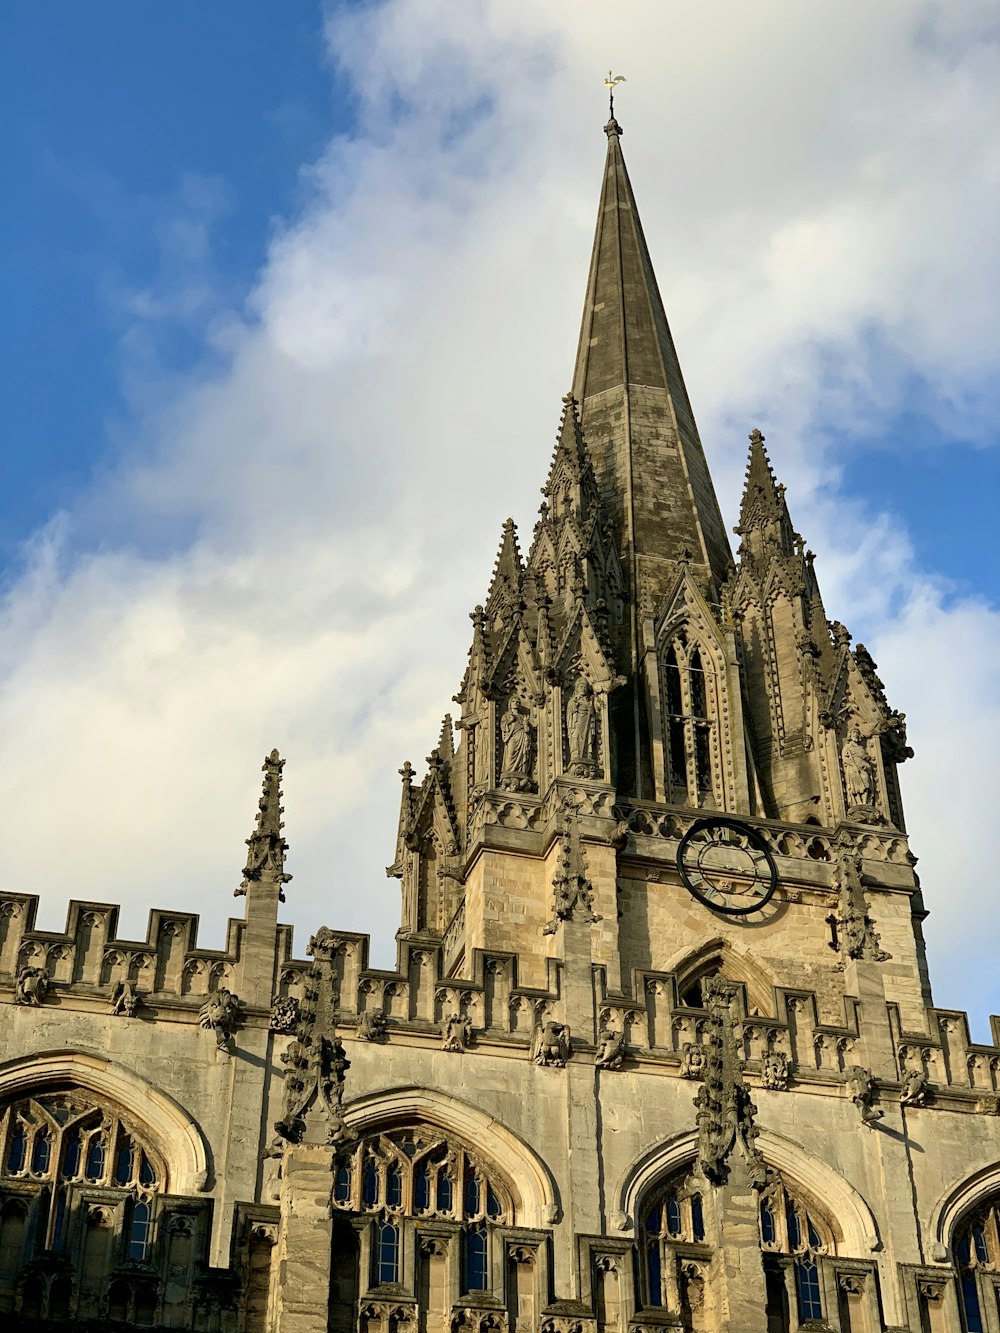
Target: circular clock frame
695,877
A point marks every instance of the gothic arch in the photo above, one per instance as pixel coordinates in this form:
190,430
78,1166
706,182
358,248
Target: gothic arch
171,1128
536,1199
734,963
960,1199
854,1220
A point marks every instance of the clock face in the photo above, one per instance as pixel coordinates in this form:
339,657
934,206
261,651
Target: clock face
727,866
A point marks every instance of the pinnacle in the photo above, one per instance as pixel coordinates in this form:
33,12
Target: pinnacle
267,847
508,568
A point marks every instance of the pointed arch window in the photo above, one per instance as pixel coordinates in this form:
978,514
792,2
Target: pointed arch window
976,1247
690,697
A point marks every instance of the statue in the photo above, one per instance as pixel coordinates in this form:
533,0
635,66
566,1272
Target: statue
31,986
581,729
914,1090
456,1033
610,1049
515,731
859,772
125,999
222,1012
550,1044
861,1087
372,1026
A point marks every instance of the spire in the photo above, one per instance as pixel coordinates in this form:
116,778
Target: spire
763,498
508,570
635,410
266,857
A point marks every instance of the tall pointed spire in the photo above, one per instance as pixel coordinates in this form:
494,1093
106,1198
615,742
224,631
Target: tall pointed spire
635,410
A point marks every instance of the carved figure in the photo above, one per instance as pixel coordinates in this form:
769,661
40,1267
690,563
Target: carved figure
125,999
610,1049
725,1114
692,1060
550,1044
516,734
856,933
581,729
859,772
861,1088
31,986
285,1013
372,1026
456,1033
774,1071
222,1012
914,1090
570,884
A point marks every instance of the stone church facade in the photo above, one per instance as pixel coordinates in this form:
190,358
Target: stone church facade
659,1051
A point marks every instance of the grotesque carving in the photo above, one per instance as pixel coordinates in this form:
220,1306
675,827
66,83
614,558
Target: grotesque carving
285,1013
571,886
372,1026
610,1049
222,1012
914,1089
861,1090
31,986
456,1033
774,1071
581,729
516,732
724,1112
125,999
550,1043
692,1061
856,934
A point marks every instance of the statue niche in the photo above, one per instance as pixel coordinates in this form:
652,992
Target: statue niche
517,737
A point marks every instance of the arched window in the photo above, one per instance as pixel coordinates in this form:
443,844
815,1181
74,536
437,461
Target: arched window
674,1219
415,1174
690,698
976,1246
58,1142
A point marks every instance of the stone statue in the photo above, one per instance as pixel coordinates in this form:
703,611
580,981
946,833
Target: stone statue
861,1087
372,1026
914,1090
859,772
581,729
31,986
550,1044
125,999
610,1049
456,1033
774,1071
515,732
692,1060
222,1012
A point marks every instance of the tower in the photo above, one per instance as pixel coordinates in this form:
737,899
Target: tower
659,1050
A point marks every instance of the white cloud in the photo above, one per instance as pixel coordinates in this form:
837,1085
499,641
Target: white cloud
287,549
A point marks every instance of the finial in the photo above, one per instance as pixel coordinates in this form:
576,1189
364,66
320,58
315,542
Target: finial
755,437
611,83
266,859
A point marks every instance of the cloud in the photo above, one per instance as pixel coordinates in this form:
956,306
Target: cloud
295,529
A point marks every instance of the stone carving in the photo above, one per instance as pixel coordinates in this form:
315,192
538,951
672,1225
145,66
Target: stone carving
222,1012
572,888
774,1071
317,1068
456,1033
267,847
285,1013
692,1061
914,1089
861,1089
610,1049
581,729
859,774
550,1044
856,935
125,999
517,734
31,986
724,1112
373,1026
851,1283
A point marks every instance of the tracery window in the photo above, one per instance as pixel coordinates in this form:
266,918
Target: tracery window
415,1174
789,1227
690,707
976,1248
57,1148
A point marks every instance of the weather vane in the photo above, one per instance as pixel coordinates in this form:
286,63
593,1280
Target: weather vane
611,83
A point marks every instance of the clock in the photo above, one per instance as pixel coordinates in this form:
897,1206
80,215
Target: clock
727,866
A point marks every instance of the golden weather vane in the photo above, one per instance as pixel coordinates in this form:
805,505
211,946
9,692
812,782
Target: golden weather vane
611,83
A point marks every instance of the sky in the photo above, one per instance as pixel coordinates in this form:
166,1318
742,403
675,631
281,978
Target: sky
291,295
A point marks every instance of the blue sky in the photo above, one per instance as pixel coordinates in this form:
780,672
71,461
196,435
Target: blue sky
289,287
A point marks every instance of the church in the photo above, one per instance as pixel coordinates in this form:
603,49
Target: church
659,1051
